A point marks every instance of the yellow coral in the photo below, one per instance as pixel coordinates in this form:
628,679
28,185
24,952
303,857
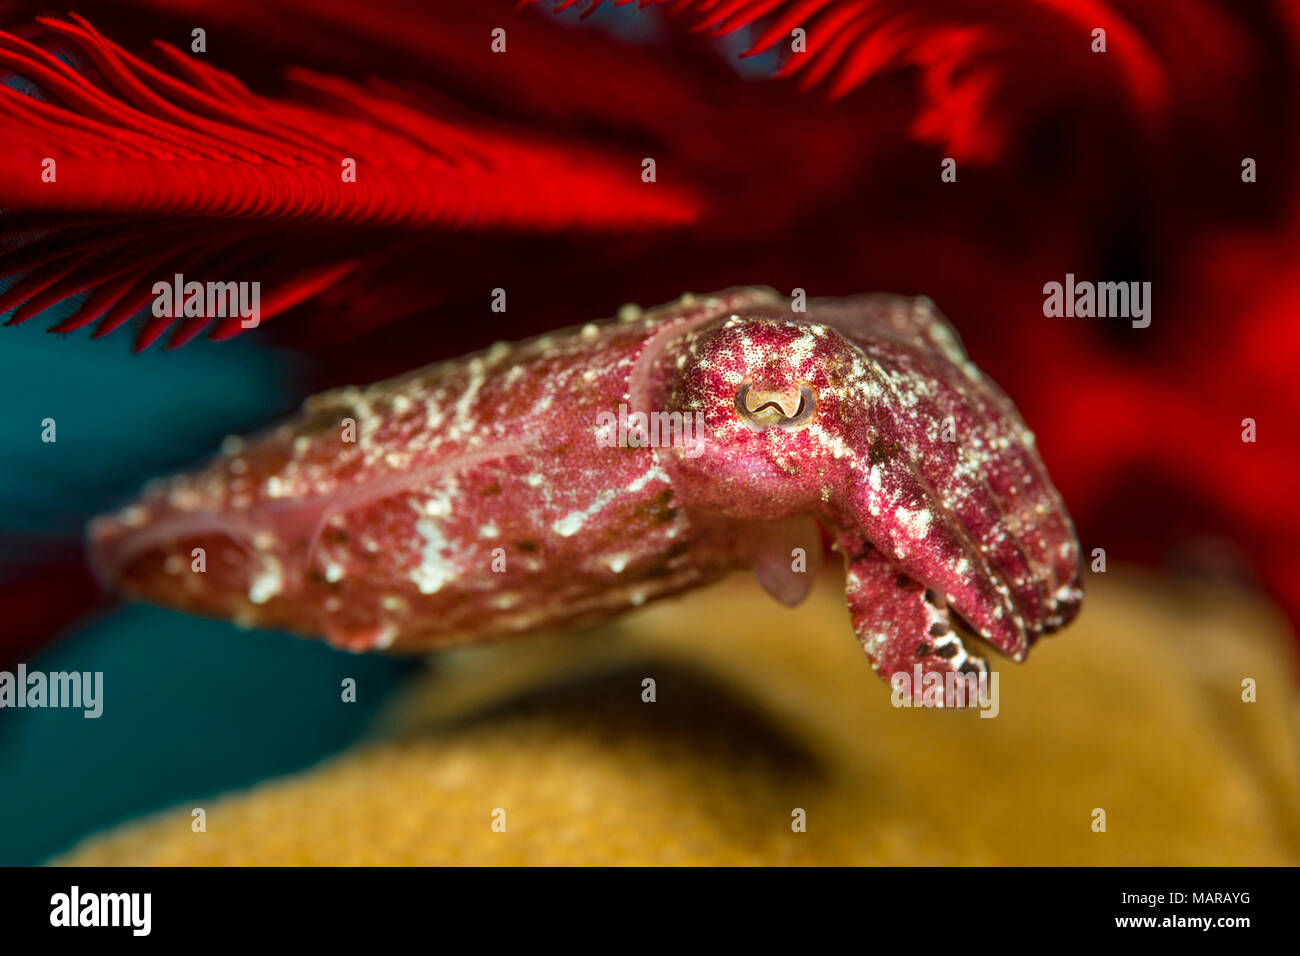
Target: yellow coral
1136,710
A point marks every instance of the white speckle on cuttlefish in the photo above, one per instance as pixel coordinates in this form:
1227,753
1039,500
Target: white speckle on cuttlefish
268,582
572,523
435,568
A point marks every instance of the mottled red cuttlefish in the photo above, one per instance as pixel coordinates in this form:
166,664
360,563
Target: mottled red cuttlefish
483,496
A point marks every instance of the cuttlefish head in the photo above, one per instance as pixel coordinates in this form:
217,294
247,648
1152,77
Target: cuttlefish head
868,419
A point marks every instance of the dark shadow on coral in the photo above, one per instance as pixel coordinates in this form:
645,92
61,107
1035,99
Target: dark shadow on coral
702,743
691,708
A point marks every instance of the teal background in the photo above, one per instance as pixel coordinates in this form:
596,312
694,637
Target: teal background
191,707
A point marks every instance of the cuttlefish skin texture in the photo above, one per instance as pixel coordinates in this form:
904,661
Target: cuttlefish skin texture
491,495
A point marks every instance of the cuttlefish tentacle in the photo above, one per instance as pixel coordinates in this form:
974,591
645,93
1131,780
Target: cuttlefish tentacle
972,415
904,627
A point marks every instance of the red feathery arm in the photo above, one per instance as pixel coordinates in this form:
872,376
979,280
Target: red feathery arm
188,171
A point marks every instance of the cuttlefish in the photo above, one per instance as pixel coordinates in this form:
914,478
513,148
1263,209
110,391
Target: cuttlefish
571,477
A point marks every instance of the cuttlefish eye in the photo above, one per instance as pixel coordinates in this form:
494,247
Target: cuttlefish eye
790,410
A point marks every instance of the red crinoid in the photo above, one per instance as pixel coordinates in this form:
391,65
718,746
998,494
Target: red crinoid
131,158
